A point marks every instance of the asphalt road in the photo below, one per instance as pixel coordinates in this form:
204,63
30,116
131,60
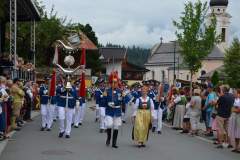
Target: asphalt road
87,144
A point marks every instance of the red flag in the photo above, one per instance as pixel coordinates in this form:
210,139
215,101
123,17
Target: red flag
82,90
52,84
83,58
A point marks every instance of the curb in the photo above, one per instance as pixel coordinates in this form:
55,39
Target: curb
4,143
198,137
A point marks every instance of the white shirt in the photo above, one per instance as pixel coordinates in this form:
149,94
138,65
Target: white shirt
237,102
135,107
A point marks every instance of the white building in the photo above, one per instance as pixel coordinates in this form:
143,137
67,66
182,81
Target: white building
164,56
112,59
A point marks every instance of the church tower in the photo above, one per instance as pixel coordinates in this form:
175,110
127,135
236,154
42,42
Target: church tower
219,8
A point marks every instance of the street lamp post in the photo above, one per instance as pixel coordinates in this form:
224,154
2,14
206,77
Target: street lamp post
178,67
174,62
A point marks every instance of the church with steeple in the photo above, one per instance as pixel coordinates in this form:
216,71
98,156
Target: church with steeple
165,61
219,9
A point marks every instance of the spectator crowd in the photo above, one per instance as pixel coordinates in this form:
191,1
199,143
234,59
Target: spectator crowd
17,99
217,106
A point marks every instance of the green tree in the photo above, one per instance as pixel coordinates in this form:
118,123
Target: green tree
48,30
215,78
2,10
195,38
232,64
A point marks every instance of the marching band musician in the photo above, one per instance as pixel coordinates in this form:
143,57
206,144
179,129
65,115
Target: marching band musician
66,103
52,107
135,93
101,98
153,94
52,99
77,108
126,100
45,109
82,109
159,112
97,98
113,110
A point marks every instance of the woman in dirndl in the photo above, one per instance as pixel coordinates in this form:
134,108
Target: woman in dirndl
143,111
180,102
234,123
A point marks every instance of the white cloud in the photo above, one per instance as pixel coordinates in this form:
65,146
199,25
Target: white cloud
132,34
130,22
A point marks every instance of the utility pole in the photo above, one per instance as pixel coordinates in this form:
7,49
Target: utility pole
174,63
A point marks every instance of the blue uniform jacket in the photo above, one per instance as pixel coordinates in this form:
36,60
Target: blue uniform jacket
102,99
97,95
43,92
53,99
127,98
62,97
153,95
136,95
115,97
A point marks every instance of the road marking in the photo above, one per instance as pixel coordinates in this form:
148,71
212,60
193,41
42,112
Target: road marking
203,139
198,137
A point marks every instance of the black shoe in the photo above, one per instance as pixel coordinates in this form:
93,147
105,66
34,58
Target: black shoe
216,143
236,151
114,140
96,120
159,132
143,145
230,146
209,134
54,120
75,126
80,124
17,129
61,134
219,147
42,129
184,131
19,125
153,129
49,129
109,133
114,146
67,136
72,124
21,122
139,145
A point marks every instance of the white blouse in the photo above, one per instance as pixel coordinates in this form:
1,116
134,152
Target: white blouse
237,102
136,105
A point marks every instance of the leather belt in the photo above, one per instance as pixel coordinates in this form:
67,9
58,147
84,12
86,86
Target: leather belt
66,97
115,106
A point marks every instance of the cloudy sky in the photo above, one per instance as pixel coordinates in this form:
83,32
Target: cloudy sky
132,22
